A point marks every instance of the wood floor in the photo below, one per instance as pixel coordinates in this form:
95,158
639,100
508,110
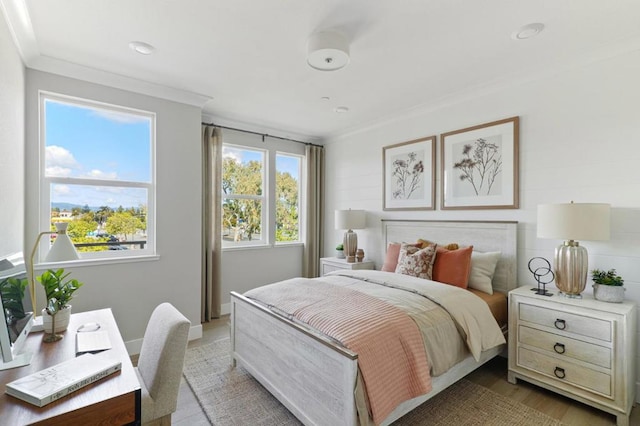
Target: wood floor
492,375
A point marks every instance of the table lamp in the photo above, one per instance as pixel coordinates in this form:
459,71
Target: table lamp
572,222
61,250
350,220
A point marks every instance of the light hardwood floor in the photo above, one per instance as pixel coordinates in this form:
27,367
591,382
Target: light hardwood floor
492,375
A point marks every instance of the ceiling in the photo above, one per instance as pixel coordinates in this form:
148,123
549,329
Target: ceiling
244,61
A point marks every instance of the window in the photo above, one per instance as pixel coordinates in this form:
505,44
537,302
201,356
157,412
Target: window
243,195
98,175
287,198
260,196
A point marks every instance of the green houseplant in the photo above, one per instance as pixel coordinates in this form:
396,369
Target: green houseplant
608,285
340,251
59,290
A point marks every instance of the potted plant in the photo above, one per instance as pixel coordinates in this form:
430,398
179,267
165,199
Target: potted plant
608,286
59,291
340,251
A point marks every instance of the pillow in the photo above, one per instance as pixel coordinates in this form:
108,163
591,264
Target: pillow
391,258
415,261
450,246
452,266
483,265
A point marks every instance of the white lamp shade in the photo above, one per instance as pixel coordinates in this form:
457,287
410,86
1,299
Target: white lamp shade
350,219
62,248
574,221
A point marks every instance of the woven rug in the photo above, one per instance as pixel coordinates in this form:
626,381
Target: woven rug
230,396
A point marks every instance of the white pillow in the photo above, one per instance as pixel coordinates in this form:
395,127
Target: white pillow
483,265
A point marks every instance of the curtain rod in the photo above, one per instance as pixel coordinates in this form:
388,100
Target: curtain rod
264,135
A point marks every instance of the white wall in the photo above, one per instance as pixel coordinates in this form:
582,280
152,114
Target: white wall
132,290
12,186
579,140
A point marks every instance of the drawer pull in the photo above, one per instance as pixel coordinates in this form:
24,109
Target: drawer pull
559,372
560,324
559,348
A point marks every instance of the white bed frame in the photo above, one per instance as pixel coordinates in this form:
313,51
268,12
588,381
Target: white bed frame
316,379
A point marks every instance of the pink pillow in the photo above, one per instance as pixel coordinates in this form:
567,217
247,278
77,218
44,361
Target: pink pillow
453,266
391,258
416,262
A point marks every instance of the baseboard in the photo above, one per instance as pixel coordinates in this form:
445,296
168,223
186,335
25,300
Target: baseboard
134,346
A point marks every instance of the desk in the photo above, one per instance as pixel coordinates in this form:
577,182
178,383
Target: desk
114,400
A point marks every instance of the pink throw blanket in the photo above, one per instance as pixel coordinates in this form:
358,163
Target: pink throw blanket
391,354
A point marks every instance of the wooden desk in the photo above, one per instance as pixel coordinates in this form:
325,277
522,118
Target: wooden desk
114,400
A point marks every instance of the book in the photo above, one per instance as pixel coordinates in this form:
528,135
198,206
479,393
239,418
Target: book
92,341
50,384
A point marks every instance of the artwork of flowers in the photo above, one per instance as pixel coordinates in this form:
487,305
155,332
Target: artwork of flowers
409,171
480,166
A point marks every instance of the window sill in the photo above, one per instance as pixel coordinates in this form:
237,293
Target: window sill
96,262
263,247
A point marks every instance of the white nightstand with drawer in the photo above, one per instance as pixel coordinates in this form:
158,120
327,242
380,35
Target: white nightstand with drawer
329,264
581,348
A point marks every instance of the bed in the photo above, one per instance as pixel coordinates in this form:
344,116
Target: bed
317,379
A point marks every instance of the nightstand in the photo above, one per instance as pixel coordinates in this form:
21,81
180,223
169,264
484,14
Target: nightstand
583,349
328,264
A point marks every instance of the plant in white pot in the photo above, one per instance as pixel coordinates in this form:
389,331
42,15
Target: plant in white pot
608,285
340,251
59,291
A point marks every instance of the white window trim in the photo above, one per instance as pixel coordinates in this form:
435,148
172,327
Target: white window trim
45,182
301,177
264,211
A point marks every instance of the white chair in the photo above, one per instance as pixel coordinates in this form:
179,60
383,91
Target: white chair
160,363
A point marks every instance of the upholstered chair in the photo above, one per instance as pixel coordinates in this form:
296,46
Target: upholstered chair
160,363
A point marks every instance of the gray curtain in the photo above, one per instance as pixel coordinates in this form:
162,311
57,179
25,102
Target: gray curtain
314,244
211,222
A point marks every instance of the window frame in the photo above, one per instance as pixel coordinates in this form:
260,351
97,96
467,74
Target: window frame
301,176
264,217
46,183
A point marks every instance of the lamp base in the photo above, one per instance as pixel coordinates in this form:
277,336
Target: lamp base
571,268
350,245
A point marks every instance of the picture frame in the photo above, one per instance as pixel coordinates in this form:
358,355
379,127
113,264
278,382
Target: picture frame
479,166
409,171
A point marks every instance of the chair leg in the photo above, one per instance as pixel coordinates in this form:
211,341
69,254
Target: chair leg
162,421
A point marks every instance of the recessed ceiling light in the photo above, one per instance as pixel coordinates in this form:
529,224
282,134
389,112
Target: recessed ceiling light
325,98
528,31
142,47
341,109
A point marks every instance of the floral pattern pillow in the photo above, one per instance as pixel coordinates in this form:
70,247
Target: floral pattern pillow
415,261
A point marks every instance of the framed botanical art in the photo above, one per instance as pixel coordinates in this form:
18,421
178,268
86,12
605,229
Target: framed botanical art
480,166
409,175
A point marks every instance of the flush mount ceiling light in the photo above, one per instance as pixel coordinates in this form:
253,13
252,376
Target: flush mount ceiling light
528,31
341,109
327,51
142,47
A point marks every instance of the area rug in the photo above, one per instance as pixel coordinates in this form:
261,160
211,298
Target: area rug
230,396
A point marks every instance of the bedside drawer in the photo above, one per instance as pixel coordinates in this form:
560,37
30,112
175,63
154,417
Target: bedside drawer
326,268
571,323
565,372
565,346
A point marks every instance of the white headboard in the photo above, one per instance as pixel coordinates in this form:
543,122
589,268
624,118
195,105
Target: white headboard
483,236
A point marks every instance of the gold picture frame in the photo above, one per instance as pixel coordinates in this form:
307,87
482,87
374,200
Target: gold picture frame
479,166
409,171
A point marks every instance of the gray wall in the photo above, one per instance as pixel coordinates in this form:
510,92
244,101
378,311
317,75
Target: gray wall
133,289
12,186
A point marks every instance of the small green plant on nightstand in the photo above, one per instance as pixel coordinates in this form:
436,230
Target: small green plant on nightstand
609,277
608,286
340,251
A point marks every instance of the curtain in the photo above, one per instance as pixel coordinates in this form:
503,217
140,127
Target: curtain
211,222
314,244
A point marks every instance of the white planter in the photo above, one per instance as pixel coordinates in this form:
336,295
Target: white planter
340,254
62,320
609,293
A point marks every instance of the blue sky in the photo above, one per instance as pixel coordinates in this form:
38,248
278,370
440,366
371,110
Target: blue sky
98,144
284,163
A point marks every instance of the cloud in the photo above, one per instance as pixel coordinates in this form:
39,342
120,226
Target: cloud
99,174
235,154
119,117
61,190
59,162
